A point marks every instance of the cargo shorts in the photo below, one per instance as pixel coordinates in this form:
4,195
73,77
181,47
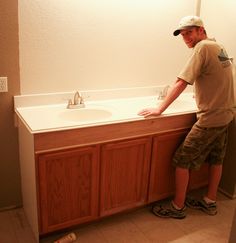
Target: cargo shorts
202,144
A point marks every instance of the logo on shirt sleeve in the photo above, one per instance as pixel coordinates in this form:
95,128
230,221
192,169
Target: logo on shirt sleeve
224,59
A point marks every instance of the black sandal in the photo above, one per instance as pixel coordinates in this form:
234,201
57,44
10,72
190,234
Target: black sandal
209,208
159,211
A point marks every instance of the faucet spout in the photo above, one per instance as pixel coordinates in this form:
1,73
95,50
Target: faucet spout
77,98
163,93
78,101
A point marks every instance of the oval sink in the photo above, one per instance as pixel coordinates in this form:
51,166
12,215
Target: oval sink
85,114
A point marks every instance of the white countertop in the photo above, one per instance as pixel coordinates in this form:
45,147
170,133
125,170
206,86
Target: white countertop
47,114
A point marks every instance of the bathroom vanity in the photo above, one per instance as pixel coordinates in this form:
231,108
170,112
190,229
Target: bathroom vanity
80,173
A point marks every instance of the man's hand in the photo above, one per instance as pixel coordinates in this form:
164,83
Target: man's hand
175,91
149,112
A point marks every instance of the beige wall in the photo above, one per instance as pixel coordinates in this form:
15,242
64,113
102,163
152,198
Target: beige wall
105,44
10,194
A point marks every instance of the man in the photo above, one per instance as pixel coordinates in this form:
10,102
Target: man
210,70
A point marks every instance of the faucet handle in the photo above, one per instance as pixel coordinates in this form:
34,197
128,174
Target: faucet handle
83,97
81,100
69,103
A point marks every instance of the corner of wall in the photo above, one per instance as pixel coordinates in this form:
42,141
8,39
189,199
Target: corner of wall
198,8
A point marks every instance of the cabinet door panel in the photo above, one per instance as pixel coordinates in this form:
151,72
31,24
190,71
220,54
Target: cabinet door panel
68,188
162,178
124,175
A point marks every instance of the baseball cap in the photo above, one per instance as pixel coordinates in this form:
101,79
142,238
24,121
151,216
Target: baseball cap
188,21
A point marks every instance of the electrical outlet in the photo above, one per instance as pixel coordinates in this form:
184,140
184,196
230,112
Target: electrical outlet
3,84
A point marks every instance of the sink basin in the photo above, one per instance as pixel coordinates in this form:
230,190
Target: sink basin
85,114
183,104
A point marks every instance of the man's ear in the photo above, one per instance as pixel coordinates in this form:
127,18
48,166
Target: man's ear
202,30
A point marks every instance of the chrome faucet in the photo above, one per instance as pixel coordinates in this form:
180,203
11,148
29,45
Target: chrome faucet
78,101
163,93
78,98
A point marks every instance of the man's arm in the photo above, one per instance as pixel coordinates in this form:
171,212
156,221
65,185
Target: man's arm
173,93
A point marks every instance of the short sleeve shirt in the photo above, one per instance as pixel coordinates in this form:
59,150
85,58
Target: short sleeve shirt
210,70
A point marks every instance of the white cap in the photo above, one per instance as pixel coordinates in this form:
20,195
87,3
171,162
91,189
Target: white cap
188,21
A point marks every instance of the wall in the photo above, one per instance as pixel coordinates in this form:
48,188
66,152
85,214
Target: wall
79,45
10,194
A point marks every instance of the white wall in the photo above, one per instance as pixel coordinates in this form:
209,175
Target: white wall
99,44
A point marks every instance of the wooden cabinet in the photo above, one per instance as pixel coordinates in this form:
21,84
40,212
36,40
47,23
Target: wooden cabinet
124,175
80,185
80,175
68,184
162,176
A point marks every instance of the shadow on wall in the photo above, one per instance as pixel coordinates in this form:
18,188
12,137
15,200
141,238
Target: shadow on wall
228,179
232,238
10,191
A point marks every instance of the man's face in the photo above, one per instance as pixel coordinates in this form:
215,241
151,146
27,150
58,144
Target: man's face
191,36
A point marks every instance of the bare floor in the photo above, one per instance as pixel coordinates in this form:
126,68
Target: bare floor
139,226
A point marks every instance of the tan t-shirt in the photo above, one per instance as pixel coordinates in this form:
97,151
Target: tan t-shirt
210,70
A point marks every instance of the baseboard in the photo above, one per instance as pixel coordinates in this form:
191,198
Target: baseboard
9,208
231,196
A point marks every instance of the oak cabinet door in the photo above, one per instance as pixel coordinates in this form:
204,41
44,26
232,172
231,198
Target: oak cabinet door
162,177
68,188
124,175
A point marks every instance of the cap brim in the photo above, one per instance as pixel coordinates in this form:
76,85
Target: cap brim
176,32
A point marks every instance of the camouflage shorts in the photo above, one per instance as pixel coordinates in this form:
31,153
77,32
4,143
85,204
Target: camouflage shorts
202,144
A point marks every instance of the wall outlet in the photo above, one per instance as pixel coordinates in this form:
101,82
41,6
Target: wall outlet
3,84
